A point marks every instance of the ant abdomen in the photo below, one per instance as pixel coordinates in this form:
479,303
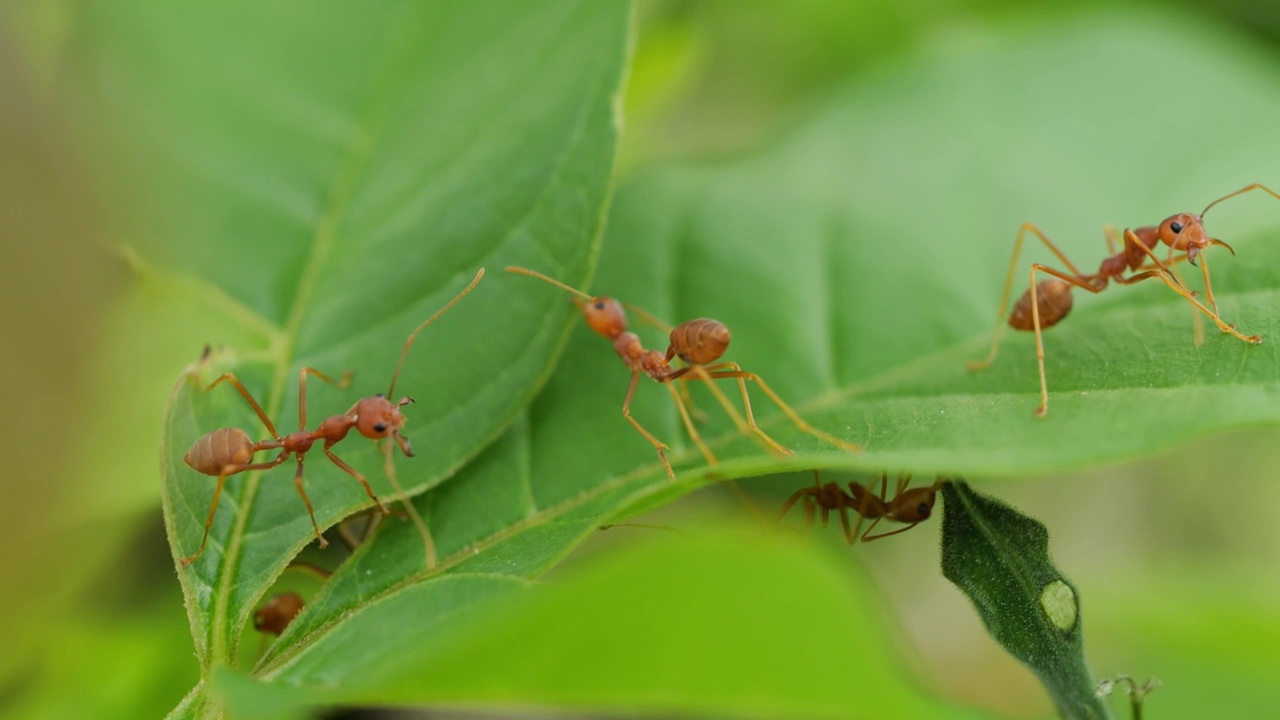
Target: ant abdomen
219,448
277,613
1054,299
701,341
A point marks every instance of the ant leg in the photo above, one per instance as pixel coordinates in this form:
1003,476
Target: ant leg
903,482
735,371
694,411
865,506
657,444
262,415
217,494
1113,238
1197,324
868,537
1035,323
1025,228
428,543
309,568
862,508
700,373
1208,288
1165,276
849,535
297,483
688,425
353,473
710,456
302,390
791,501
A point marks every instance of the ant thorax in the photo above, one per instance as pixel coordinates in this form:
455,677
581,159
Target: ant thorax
629,348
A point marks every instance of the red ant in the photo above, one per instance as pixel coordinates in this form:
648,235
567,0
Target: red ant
699,343
907,506
1047,302
228,451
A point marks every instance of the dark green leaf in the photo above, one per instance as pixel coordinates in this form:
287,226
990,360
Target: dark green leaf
1000,559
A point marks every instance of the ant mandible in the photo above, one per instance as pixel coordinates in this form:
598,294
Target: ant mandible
1047,302
907,506
699,343
229,451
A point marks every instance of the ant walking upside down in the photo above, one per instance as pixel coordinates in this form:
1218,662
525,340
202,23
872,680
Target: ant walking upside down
912,506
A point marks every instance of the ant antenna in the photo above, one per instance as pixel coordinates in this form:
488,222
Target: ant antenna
1241,191
405,352
544,278
647,317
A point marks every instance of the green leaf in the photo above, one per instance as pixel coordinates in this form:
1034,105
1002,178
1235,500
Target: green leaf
1000,559
689,624
327,185
859,309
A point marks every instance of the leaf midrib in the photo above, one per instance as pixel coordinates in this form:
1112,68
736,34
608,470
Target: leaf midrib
363,139
353,167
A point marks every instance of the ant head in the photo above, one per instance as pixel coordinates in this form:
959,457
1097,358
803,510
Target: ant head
914,505
377,417
605,315
1183,232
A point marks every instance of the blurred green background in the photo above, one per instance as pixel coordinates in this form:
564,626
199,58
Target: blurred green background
1176,557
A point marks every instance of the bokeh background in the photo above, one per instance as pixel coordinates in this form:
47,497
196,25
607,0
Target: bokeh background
1177,557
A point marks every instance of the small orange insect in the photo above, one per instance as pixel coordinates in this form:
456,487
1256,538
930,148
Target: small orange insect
1047,302
228,451
912,506
699,344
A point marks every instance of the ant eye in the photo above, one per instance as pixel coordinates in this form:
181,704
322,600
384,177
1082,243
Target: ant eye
923,510
1176,227
380,427
599,305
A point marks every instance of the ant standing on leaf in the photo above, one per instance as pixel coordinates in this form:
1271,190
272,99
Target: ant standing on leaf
228,451
699,343
1047,302
912,506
